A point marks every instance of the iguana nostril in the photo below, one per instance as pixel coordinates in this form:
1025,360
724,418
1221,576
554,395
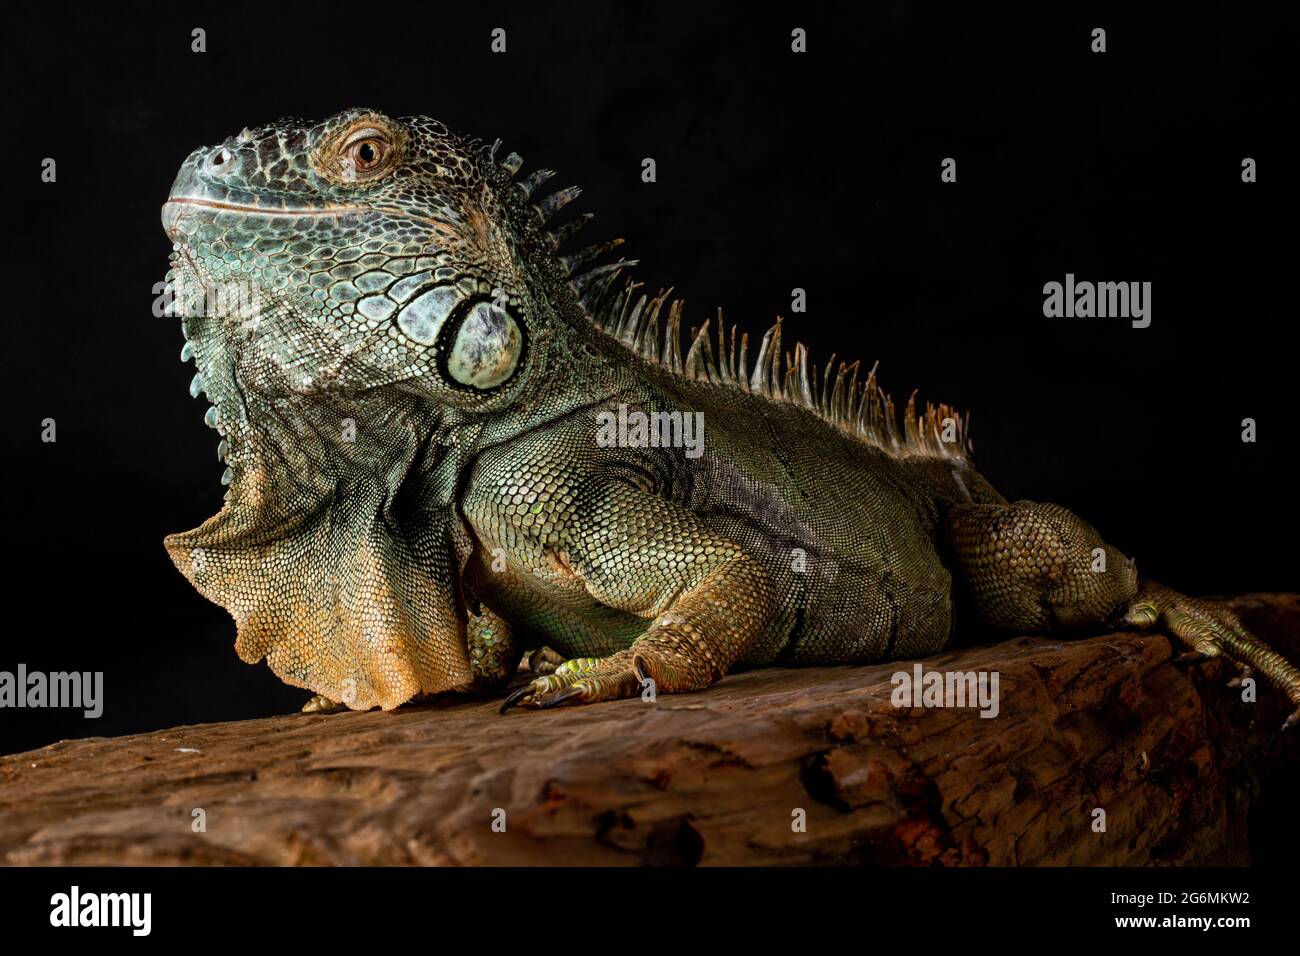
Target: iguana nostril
220,160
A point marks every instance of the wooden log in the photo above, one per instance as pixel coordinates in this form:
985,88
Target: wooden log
1174,758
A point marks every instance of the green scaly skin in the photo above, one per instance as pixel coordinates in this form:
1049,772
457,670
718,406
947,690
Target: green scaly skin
415,419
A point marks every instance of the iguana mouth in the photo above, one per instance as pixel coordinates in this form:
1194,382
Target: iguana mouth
221,206
175,207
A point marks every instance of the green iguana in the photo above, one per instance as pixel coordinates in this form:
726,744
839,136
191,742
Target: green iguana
448,442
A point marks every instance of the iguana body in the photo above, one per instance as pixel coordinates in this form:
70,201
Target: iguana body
431,425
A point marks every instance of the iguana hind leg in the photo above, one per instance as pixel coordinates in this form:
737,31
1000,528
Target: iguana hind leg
1039,568
1212,630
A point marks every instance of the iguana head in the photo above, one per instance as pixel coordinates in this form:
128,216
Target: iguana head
357,294
383,250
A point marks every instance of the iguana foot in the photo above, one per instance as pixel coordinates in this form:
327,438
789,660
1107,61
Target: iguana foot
583,680
542,660
1244,671
322,705
1212,630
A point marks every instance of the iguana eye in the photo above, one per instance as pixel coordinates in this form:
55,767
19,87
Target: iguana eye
365,155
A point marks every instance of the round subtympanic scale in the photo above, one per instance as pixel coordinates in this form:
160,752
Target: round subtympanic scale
487,346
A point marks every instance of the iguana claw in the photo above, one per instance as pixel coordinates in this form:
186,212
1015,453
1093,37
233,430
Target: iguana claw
583,680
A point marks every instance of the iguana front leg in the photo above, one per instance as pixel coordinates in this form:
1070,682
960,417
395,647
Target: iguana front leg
1038,568
493,653
707,599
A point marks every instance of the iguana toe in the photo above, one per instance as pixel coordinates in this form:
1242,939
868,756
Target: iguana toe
1213,630
321,704
543,660
582,680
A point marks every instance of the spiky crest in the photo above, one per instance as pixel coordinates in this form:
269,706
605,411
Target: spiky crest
632,317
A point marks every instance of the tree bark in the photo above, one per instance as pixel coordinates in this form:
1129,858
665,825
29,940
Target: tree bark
1174,758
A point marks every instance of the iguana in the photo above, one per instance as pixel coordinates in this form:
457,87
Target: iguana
448,441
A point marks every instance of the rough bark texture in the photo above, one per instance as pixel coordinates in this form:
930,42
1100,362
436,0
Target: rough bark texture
1175,759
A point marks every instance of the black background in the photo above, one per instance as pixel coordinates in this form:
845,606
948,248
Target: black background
775,170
